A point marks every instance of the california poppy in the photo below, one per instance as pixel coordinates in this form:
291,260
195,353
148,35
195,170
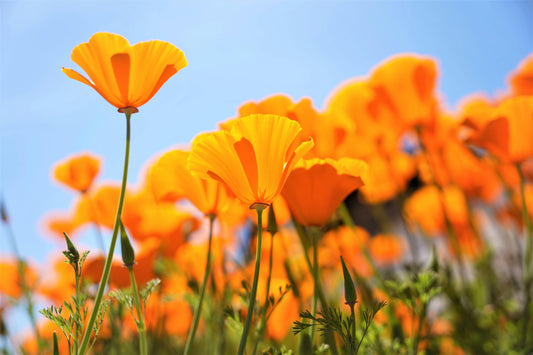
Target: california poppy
126,76
253,156
77,171
508,134
170,179
316,187
521,79
407,84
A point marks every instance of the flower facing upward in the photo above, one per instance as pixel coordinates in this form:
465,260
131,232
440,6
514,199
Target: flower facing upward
253,156
77,171
316,187
126,76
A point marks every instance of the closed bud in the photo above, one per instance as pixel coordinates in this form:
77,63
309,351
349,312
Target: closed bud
349,288
128,254
272,227
71,253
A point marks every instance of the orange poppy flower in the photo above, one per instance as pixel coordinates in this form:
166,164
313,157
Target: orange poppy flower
170,179
10,281
316,187
126,76
58,282
349,243
508,134
99,206
388,176
407,84
276,104
253,156
56,224
77,171
475,111
386,248
425,208
521,79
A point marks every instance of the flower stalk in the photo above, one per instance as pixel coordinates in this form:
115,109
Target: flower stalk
273,229
259,207
107,267
198,310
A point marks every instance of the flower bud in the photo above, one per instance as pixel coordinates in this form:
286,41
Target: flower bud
349,288
128,254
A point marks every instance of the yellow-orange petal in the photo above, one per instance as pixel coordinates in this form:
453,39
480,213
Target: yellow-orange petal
407,83
124,75
252,156
77,171
508,134
315,188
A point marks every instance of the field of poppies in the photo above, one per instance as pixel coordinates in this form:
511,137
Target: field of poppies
381,224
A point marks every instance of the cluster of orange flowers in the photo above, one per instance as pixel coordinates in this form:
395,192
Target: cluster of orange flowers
376,135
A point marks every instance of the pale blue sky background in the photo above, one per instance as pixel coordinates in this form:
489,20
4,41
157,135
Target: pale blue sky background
237,51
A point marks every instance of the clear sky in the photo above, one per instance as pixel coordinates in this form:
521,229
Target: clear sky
237,51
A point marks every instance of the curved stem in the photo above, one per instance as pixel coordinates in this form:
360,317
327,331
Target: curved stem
259,208
207,272
107,266
143,346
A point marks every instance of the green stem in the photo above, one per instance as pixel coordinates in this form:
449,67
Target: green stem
528,274
109,259
314,238
77,327
421,319
143,346
262,324
198,309
330,338
259,208
354,339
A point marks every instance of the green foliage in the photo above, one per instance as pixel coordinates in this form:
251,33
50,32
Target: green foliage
72,320
125,297
331,319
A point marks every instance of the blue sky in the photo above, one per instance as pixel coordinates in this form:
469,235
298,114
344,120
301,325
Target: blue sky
237,51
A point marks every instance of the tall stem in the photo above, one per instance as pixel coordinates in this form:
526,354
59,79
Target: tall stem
262,324
259,208
207,272
353,348
143,345
107,266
